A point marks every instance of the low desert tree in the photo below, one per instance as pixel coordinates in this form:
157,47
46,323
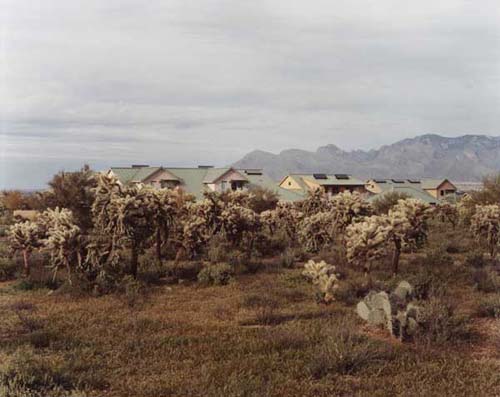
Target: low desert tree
366,241
384,202
74,191
63,239
25,237
485,224
490,193
262,199
317,231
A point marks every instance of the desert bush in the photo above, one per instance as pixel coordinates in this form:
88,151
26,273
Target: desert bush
344,351
8,269
489,307
439,322
265,307
385,202
486,280
132,290
215,274
262,199
287,258
437,257
475,259
218,249
26,373
428,282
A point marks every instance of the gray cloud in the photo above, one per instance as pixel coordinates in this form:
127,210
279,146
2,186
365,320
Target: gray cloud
182,82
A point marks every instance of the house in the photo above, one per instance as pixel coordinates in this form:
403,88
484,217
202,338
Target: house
410,188
196,181
330,183
428,190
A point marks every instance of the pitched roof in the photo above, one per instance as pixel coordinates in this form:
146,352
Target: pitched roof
433,183
415,193
133,174
329,179
264,181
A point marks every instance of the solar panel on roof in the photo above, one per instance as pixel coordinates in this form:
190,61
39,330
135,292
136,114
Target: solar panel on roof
398,181
413,181
380,181
253,172
341,176
320,176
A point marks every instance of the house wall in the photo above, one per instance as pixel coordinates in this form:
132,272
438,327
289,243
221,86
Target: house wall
373,187
442,190
155,179
224,182
290,183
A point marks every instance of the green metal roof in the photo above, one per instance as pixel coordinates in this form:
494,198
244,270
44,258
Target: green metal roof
133,174
265,182
415,193
194,180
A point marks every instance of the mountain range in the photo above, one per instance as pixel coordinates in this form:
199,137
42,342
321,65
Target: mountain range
464,158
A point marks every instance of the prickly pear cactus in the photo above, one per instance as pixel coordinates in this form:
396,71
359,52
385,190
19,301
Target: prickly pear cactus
392,311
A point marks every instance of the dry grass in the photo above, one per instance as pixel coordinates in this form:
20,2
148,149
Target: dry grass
263,334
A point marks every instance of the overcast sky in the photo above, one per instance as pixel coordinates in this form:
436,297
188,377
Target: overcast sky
187,82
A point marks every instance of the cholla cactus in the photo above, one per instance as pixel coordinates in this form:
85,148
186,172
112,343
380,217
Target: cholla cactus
347,206
63,238
285,217
405,225
237,221
317,231
408,226
163,207
25,237
366,241
485,224
323,276
465,208
316,201
448,212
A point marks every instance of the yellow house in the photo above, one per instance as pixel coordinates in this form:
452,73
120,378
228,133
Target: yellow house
330,183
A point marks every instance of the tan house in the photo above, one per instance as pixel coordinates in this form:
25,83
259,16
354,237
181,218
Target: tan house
436,188
330,183
196,181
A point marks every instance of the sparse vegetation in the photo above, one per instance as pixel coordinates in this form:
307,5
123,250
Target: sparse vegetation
144,313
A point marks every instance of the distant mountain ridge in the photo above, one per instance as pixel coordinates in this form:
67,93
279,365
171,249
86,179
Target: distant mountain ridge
464,158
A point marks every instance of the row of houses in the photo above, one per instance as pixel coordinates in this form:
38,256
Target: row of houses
196,181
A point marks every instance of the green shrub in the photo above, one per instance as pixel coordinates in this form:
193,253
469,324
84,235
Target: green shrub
344,351
489,307
218,274
486,280
439,323
26,373
133,291
438,258
8,269
428,282
475,259
287,258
